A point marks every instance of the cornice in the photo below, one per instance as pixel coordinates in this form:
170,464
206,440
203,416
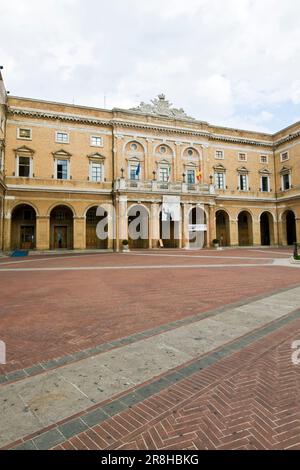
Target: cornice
60,116
286,139
241,140
155,127
114,122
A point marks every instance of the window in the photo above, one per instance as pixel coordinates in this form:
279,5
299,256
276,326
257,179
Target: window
133,171
219,155
133,147
286,181
220,180
24,167
284,156
96,172
263,159
243,182
242,157
62,137
164,174
162,149
191,176
190,152
62,169
265,184
96,141
23,133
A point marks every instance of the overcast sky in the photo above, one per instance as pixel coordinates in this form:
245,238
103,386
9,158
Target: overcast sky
229,62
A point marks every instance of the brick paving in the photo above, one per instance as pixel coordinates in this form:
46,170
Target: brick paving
247,401
45,315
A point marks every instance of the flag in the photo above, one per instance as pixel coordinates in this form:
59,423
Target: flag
198,175
169,173
138,170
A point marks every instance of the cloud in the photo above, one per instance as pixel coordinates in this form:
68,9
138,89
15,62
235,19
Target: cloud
233,62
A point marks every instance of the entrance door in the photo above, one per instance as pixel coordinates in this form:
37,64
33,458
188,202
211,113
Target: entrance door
27,237
60,236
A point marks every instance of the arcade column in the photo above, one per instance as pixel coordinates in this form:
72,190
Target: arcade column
42,232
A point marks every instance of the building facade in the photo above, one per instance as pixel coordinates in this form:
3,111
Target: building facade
60,163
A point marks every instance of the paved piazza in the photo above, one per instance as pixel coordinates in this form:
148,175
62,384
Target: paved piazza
160,349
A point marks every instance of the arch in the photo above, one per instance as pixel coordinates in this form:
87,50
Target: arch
61,227
289,226
162,144
245,231
266,228
223,227
93,240
197,220
134,141
56,204
200,207
27,204
23,227
185,150
109,208
138,226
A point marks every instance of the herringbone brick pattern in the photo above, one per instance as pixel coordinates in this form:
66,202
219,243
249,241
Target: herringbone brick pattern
249,400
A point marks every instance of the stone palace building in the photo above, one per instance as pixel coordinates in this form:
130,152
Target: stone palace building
60,162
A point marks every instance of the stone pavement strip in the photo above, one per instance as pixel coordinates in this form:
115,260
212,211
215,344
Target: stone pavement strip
35,403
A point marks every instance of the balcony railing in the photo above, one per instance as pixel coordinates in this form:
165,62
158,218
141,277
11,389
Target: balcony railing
122,184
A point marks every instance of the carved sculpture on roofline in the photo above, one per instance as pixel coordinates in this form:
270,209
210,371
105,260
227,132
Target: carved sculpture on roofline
161,107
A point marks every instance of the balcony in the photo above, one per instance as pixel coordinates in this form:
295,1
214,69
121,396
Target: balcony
121,184
51,184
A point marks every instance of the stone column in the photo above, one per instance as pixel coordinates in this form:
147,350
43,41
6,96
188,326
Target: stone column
177,164
256,238
122,225
212,225
7,232
234,232
79,232
149,161
154,225
297,230
282,233
274,239
185,226
42,232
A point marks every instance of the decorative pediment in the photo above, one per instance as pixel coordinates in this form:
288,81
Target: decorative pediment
242,169
24,150
134,159
61,154
265,171
191,165
165,161
161,107
219,167
96,156
285,169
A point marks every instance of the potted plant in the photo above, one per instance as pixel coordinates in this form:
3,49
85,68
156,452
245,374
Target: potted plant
125,245
215,243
